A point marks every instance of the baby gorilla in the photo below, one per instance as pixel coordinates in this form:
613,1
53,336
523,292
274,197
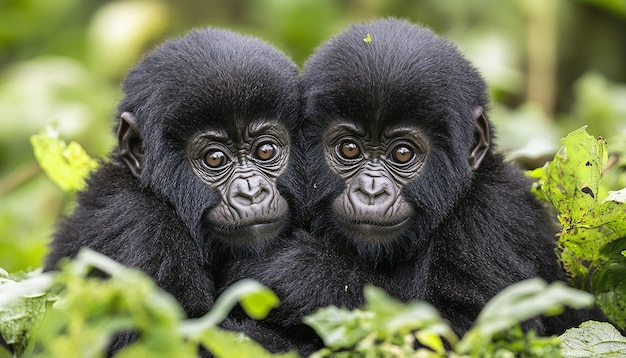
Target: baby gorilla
201,170
405,190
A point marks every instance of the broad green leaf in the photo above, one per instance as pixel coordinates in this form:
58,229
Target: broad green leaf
593,339
159,342
608,282
431,340
66,165
396,317
571,183
22,306
517,303
165,350
91,310
612,214
226,344
33,286
259,303
384,327
579,161
340,328
587,251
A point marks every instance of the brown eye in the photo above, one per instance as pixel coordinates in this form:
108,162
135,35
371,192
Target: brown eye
402,154
349,150
266,151
215,159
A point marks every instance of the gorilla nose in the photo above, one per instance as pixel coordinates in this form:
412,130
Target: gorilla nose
249,191
373,190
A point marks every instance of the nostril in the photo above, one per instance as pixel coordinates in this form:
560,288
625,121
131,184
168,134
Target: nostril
372,190
376,188
251,194
249,191
373,194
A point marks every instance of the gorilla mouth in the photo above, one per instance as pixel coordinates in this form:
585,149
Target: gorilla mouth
375,222
373,229
246,231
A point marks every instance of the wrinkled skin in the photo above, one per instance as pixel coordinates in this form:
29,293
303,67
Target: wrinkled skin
244,171
374,170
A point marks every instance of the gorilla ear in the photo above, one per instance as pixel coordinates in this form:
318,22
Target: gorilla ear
130,143
481,138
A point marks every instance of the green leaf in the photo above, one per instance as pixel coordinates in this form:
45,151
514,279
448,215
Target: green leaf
611,214
22,306
579,161
571,182
431,340
517,303
384,327
259,302
228,344
608,282
591,226
593,339
394,317
66,165
91,310
340,328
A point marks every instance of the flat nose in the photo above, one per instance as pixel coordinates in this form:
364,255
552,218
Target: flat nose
372,190
251,190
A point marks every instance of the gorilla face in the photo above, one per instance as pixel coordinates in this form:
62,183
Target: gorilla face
244,170
401,126
205,125
375,167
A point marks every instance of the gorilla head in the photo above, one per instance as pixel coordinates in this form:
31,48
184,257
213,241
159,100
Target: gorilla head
397,114
205,125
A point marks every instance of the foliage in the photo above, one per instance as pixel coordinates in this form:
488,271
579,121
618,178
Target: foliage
22,305
88,310
66,165
78,312
594,225
593,339
386,327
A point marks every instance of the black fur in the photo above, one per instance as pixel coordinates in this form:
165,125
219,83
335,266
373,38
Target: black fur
206,79
474,232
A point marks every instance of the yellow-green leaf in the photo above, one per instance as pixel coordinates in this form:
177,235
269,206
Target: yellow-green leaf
66,165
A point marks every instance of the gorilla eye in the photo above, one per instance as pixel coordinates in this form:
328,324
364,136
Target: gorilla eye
349,150
215,159
266,151
402,154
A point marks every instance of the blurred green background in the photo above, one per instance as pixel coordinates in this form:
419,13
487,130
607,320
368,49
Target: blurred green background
553,66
